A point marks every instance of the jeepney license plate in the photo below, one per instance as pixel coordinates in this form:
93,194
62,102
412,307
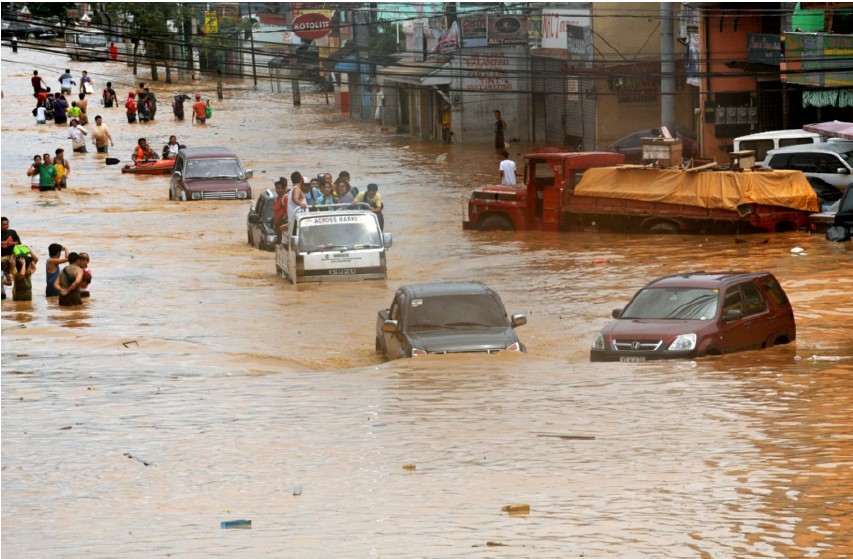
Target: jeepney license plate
632,359
342,272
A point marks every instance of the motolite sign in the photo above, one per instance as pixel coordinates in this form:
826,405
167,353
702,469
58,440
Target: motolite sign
312,26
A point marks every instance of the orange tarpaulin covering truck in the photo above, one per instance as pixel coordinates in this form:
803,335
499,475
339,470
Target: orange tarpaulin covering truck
590,191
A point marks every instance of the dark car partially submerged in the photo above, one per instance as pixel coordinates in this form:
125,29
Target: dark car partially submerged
259,223
446,317
696,314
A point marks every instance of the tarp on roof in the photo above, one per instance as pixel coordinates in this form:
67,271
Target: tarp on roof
724,190
833,129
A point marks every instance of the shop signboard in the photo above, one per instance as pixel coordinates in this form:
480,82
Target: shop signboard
820,60
507,30
473,31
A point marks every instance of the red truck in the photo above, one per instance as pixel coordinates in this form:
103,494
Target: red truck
635,199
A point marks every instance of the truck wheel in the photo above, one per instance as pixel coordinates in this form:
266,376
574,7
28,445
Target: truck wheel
495,222
663,228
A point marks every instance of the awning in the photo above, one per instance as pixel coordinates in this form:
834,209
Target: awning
833,129
337,56
828,98
427,73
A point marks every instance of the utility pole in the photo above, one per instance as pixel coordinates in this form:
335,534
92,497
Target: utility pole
667,69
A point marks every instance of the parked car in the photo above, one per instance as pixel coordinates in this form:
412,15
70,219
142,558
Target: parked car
831,162
86,44
696,314
209,173
839,229
446,317
631,146
25,31
762,142
259,223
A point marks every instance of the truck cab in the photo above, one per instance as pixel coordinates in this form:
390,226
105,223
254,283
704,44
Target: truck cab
549,179
339,242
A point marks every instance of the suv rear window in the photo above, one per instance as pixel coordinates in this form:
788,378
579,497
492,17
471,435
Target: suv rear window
774,291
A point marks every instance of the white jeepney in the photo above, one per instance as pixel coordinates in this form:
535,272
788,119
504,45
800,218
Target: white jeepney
341,242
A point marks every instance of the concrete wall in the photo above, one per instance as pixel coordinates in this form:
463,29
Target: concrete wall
632,46
486,80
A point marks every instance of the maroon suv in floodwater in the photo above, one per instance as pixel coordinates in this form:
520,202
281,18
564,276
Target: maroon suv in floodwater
209,173
698,313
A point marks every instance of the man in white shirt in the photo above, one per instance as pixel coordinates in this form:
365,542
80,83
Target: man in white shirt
507,169
77,134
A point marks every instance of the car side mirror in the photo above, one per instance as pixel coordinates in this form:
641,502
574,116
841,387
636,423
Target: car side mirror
177,174
294,242
249,173
390,326
616,313
517,320
254,219
387,239
842,171
733,314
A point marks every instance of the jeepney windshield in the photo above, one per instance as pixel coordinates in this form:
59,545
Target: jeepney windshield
339,232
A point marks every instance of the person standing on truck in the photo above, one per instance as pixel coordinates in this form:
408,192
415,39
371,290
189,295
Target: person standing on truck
296,198
507,169
279,216
500,128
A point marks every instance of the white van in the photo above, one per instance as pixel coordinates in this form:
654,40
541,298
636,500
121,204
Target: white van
87,44
340,242
762,142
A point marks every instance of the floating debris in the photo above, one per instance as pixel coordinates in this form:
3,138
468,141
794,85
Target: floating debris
227,524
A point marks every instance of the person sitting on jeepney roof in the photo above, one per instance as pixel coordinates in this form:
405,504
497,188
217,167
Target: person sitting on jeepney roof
371,197
327,194
143,152
343,191
312,191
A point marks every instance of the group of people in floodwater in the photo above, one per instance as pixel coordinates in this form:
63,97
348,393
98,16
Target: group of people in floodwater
70,284
318,192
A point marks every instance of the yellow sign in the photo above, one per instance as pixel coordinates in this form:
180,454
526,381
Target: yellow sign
211,22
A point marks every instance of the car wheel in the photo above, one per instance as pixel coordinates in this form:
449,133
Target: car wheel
495,222
183,196
663,228
32,37
171,194
249,236
379,345
278,271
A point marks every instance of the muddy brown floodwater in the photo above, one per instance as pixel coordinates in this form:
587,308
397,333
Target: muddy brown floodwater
196,387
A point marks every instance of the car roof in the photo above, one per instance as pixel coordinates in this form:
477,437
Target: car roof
208,152
823,147
706,280
446,288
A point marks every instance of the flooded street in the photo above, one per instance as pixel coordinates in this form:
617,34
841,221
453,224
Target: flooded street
196,387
